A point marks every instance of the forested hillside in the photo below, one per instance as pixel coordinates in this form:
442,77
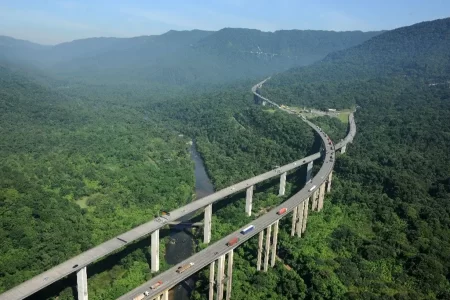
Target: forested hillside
384,233
180,57
237,139
75,172
84,163
417,51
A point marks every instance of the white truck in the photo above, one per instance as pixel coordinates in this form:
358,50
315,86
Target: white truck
141,296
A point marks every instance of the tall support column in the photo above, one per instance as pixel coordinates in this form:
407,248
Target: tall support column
343,149
260,247
294,221
155,251
82,287
309,170
300,211
282,184
165,295
329,182
305,215
321,197
267,252
211,280
220,275
229,274
274,243
314,200
207,225
249,201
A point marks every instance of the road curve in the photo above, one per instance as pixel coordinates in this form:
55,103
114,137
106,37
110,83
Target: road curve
74,264
203,258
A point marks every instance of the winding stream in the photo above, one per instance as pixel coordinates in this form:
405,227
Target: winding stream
181,244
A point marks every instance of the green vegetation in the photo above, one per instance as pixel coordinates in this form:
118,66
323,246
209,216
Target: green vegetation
384,233
81,163
180,57
75,173
79,170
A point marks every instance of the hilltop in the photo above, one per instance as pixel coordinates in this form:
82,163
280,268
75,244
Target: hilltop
181,57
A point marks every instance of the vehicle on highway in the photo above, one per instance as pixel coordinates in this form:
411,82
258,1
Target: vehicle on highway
247,229
141,296
232,241
312,188
183,268
156,285
282,211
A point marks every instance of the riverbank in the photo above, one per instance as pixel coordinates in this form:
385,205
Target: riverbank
181,242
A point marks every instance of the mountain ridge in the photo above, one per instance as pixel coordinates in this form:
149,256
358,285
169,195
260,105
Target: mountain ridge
186,57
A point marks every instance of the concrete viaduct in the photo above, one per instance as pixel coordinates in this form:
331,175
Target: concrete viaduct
310,197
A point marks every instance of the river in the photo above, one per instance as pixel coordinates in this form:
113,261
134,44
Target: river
181,244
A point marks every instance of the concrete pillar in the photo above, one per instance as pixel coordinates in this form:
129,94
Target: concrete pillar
294,221
229,274
155,251
305,215
165,295
343,149
321,196
274,243
329,182
211,280
249,201
314,200
309,168
220,276
82,287
267,252
207,226
282,184
260,245
300,211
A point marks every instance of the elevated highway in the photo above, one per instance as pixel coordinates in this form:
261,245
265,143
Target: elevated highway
79,263
298,204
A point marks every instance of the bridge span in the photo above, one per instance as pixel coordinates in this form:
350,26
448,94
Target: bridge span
299,204
309,197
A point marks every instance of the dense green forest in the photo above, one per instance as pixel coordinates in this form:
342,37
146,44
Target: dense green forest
110,158
74,173
82,162
180,57
384,232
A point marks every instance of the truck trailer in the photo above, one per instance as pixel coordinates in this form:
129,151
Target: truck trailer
247,229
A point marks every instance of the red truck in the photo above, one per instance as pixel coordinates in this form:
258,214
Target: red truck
282,211
232,241
156,285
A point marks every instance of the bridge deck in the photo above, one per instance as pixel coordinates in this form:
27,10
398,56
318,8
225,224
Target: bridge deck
203,258
60,271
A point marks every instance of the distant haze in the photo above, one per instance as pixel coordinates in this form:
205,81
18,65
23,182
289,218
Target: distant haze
59,21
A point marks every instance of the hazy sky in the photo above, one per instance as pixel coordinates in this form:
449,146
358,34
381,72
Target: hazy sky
55,21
